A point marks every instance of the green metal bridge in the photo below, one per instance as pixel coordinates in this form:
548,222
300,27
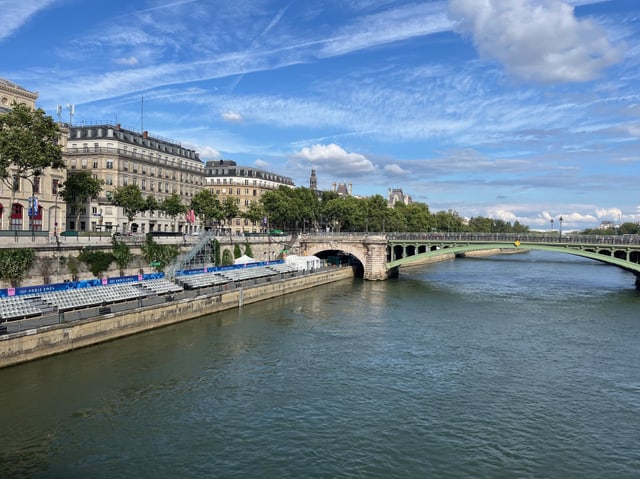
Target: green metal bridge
622,251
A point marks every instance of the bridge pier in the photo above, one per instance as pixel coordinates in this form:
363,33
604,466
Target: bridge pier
375,264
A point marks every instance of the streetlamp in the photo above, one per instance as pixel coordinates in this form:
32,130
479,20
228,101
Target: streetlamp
561,226
552,225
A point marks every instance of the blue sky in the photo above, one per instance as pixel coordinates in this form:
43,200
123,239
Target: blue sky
521,110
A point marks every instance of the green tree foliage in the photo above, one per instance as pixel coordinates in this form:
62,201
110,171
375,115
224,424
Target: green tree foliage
227,258
121,254
237,252
130,199
173,206
255,213
215,255
151,203
79,188
282,211
247,249
14,264
97,261
28,145
230,210
153,252
207,207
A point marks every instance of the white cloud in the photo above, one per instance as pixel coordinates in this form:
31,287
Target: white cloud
610,214
538,41
231,116
261,164
126,61
16,13
209,153
335,160
395,169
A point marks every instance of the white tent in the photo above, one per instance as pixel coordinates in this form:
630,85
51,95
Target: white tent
244,259
303,263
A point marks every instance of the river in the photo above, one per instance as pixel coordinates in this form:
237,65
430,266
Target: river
512,366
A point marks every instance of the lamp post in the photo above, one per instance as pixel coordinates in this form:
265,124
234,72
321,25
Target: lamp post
560,226
552,225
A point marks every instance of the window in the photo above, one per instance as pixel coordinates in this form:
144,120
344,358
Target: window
109,180
84,163
109,164
95,164
125,165
54,186
73,164
36,184
16,216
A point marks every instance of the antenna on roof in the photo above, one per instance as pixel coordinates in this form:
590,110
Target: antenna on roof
59,111
72,111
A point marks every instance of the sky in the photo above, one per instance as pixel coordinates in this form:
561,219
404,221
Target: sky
520,110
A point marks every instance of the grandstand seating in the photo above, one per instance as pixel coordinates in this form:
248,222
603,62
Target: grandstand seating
22,307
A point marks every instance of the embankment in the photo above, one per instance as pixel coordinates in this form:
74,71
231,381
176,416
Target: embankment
34,344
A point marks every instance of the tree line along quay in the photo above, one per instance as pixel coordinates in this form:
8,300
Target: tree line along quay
108,183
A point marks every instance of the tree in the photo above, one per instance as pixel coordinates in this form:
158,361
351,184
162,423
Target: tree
237,252
14,264
173,206
28,145
130,199
79,188
97,261
230,210
255,213
45,266
206,206
227,258
153,252
121,254
73,265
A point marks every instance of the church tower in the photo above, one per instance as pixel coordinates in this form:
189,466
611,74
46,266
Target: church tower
313,181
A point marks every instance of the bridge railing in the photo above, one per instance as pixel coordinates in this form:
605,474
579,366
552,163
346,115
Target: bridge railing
551,237
523,238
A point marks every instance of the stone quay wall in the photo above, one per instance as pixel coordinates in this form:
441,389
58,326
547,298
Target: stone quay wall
34,344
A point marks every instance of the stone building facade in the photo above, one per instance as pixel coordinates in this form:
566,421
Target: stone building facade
225,178
36,205
120,157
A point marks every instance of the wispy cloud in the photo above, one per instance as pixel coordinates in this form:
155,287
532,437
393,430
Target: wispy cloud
16,13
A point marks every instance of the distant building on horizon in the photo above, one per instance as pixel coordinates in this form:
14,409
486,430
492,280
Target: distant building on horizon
342,189
396,195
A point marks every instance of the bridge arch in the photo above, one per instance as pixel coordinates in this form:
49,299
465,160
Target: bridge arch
352,255
618,257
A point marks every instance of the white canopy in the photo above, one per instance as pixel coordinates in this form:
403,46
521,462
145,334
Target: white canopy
303,263
244,259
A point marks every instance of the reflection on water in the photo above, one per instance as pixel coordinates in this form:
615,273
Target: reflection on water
512,366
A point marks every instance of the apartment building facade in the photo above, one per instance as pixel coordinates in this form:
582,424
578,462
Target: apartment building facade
33,205
122,156
245,184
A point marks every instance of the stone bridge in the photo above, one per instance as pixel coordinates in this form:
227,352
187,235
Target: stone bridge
380,255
